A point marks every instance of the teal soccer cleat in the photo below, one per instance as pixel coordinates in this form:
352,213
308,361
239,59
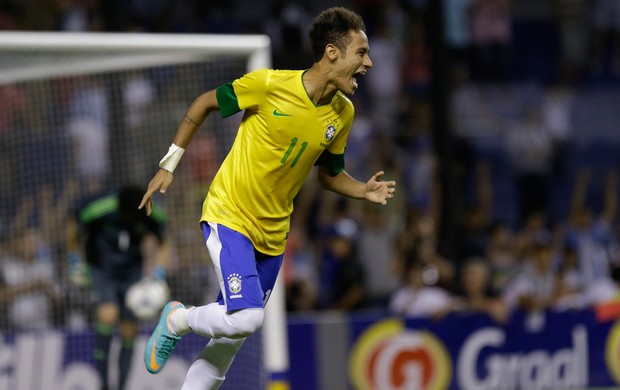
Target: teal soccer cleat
162,341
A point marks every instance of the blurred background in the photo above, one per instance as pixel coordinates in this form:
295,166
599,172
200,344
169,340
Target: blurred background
497,118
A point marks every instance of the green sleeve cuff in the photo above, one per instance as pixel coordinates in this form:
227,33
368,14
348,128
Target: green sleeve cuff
333,162
227,100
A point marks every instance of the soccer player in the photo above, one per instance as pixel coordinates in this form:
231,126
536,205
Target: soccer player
113,234
293,120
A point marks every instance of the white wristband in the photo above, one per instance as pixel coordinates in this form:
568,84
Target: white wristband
172,158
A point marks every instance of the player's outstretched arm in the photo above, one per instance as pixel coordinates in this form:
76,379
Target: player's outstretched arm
196,114
374,190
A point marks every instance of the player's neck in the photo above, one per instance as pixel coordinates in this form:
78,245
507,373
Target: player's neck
316,81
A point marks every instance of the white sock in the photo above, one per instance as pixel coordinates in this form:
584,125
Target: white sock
209,370
213,321
179,324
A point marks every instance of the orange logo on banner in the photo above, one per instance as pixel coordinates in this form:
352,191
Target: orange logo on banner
389,356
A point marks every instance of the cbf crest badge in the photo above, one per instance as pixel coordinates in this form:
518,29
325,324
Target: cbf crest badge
330,132
234,285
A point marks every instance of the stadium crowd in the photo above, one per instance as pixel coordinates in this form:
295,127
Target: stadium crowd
532,108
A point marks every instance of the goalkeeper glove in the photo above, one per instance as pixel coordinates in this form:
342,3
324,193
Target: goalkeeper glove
159,273
77,270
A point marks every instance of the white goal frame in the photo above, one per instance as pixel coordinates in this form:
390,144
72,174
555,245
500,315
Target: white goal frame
140,50
130,50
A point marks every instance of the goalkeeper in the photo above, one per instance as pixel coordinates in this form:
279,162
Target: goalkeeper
114,236
292,121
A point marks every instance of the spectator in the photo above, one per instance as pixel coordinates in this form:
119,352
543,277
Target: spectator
78,15
419,227
53,208
531,149
344,285
419,237
89,133
376,253
570,280
188,278
592,236
299,271
476,292
138,95
536,287
532,230
415,297
557,110
502,257
419,164
385,81
28,281
473,234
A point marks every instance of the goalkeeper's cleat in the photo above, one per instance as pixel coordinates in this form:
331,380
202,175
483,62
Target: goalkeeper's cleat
162,341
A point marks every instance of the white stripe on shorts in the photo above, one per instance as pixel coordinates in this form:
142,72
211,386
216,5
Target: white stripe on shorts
214,246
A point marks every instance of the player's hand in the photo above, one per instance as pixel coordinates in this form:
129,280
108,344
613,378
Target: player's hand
378,191
160,182
78,271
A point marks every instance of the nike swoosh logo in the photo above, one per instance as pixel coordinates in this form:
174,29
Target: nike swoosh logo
276,113
154,364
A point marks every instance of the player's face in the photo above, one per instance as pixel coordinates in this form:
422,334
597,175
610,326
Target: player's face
353,63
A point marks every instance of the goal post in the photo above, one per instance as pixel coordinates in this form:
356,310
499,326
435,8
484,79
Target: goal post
106,52
90,110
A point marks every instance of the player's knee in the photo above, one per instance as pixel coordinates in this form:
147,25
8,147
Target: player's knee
108,313
128,330
246,322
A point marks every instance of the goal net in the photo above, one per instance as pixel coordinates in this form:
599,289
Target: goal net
82,112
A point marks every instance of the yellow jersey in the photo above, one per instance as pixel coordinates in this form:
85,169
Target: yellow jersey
282,135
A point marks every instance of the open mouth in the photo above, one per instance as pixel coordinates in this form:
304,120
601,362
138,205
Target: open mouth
356,77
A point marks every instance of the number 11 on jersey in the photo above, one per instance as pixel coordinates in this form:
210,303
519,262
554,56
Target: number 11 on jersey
290,149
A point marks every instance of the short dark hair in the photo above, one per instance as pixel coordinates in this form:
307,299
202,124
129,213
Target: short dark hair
332,26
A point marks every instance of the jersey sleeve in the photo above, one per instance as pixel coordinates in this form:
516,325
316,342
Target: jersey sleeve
333,162
245,93
332,157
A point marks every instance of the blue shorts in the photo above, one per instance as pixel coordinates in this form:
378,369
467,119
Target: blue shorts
246,276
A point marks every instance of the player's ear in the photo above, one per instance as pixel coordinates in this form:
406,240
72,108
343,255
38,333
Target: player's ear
331,51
